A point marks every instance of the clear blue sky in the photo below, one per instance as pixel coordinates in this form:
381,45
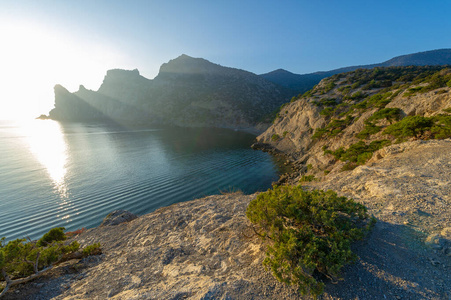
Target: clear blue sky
258,36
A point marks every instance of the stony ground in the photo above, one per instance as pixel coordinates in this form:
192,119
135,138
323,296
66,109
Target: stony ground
205,249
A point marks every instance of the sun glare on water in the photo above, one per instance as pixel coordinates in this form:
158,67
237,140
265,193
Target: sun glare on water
45,141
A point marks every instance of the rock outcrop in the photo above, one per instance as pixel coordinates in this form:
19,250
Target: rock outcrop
187,92
117,217
339,108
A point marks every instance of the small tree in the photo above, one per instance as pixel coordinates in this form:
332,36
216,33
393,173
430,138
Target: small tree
309,232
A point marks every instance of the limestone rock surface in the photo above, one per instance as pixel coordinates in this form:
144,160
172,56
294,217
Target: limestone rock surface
117,217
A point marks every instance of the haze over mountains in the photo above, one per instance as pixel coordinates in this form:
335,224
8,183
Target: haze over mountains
187,92
304,82
195,92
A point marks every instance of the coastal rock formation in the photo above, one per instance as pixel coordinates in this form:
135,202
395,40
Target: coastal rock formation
337,112
187,92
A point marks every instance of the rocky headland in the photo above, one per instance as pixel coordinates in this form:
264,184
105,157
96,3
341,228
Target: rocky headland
316,130
188,92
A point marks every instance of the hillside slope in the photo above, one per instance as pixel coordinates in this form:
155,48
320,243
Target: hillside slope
344,119
187,92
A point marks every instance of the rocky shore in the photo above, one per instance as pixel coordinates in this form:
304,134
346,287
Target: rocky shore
206,248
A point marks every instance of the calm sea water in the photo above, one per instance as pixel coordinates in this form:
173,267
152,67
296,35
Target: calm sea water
73,175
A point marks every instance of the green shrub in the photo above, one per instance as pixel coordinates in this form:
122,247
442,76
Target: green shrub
285,133
329,86
328,102
93,249
411,126
72,247
356,96
335,127
390,114
275,137
310,233
358,153
328,111
362,105
412,91
355,85
368,130
54,235
442,127
307,178
319,133
345,90
349,166
308,94
381,100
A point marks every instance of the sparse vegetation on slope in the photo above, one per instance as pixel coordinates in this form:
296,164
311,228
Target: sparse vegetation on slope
357,113
384,83
22,260
438,127
358,153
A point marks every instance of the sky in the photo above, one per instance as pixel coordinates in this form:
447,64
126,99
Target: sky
50,42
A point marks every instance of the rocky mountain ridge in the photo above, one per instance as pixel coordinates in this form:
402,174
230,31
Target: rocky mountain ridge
187,92
304,82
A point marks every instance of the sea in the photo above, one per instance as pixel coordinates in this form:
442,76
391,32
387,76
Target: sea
72,175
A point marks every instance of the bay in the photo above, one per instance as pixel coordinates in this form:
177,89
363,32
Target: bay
72,175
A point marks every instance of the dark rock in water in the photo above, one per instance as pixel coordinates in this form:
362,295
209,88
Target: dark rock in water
266,147
117,217
43,117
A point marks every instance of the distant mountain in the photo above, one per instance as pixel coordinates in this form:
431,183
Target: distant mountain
303,83
187,92
297,83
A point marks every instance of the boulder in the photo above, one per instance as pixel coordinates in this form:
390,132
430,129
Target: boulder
117,217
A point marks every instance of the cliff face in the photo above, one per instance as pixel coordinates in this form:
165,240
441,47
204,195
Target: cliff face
348,109
187,92
87,105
